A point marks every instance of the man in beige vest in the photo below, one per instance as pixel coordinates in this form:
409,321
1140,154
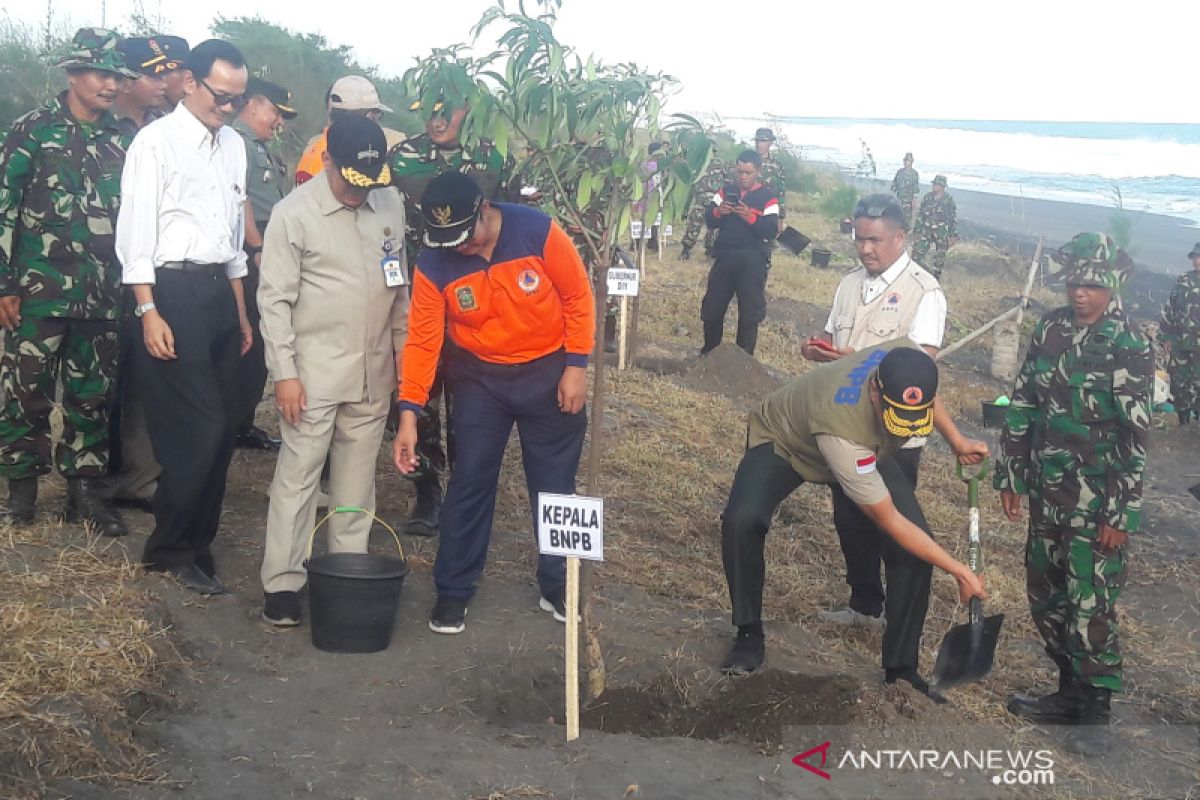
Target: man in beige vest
837,425
333,297
889,296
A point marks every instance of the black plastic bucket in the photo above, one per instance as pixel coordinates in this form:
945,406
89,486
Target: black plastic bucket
353,599
993,415
847,226
820,258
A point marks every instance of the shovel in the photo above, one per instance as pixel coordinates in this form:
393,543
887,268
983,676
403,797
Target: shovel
967,650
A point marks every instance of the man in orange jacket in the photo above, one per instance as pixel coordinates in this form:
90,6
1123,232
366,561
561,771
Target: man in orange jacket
507,284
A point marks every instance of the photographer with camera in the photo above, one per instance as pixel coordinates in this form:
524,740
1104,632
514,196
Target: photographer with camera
746,216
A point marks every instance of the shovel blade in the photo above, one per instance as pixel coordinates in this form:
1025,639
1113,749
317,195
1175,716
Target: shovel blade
967,652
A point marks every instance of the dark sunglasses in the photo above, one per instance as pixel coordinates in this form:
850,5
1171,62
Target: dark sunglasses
222,98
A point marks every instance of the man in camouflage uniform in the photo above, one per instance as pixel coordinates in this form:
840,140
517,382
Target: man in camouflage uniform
773,174
1075,442
702,192
906,184
60,284
414,163
936,226
1181,335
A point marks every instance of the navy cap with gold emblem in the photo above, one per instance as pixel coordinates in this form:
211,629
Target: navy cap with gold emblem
450,206
358,148
278,96
907,382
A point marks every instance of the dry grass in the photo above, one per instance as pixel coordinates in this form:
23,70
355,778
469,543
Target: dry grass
78,653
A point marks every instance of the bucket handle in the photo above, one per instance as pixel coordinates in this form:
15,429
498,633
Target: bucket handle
351,510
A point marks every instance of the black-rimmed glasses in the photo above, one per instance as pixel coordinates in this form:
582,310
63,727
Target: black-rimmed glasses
223,98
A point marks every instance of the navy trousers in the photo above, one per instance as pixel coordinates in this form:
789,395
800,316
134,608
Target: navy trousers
488,400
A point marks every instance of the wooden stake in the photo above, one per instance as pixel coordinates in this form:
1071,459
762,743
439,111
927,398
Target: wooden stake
572,649
621,340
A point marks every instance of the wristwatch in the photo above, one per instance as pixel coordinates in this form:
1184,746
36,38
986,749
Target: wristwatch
253,249
140,310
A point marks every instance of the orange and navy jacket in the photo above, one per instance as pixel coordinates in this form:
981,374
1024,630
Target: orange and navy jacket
533,299
310,161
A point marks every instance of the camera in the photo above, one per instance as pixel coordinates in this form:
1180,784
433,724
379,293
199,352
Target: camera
731,193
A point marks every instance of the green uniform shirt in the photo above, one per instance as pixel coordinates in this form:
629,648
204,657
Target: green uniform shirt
265,174
937,218
1181,314
1075,435
905,184
830,400
415,162
60,185
773,175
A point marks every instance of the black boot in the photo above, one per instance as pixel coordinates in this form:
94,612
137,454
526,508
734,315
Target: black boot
85,505
610,334
1185,417
22,500
748,651
1093,736
427,512
1059,708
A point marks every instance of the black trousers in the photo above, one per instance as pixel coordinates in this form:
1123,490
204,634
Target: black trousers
763,480
191,411
252,368
861,543
742,273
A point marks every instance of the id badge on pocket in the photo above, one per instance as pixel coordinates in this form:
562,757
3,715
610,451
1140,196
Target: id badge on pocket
393,271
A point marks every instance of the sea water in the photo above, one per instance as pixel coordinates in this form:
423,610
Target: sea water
1142,167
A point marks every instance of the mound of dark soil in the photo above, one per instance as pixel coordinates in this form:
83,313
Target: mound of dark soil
731,372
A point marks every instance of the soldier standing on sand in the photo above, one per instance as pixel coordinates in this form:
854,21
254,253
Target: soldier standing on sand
1075,442
60,284
905,186
1181,334
936,226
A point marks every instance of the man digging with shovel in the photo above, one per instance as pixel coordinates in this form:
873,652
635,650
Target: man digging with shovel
1075,442
842,423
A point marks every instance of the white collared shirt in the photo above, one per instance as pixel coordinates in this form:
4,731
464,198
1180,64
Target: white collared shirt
183,198
929,324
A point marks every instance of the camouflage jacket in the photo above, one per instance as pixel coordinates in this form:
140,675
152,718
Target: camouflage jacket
937,219
1075,435
417,161
905,184
774,176
60,187
708,183
1181,314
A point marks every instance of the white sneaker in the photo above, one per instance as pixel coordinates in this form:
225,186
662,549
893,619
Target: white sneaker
847,617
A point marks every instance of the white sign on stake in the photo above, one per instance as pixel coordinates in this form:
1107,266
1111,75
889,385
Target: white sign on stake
571,525
623,282
635,229
668,231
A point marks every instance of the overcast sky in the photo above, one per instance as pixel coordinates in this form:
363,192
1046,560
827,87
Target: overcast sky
1067,60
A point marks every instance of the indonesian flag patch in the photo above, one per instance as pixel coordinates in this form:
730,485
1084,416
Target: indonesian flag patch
865,465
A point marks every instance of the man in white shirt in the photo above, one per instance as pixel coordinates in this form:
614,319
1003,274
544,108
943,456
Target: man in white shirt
333,297
179,239
890,296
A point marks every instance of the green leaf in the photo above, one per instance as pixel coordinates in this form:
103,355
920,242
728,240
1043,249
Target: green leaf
584,195
500,135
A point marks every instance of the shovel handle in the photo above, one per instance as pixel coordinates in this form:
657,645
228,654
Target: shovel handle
972,481
975,612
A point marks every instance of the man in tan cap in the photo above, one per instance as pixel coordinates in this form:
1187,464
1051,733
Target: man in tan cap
352,94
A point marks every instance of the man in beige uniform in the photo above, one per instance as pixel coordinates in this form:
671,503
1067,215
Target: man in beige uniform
890,296
837,424
334,305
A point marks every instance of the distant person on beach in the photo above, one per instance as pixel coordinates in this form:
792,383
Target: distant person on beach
1075,441
839,425
905,186
746,215
1181,335
936,227
889,296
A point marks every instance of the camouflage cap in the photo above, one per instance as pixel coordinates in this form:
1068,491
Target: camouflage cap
1093,259
940,180
96,48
